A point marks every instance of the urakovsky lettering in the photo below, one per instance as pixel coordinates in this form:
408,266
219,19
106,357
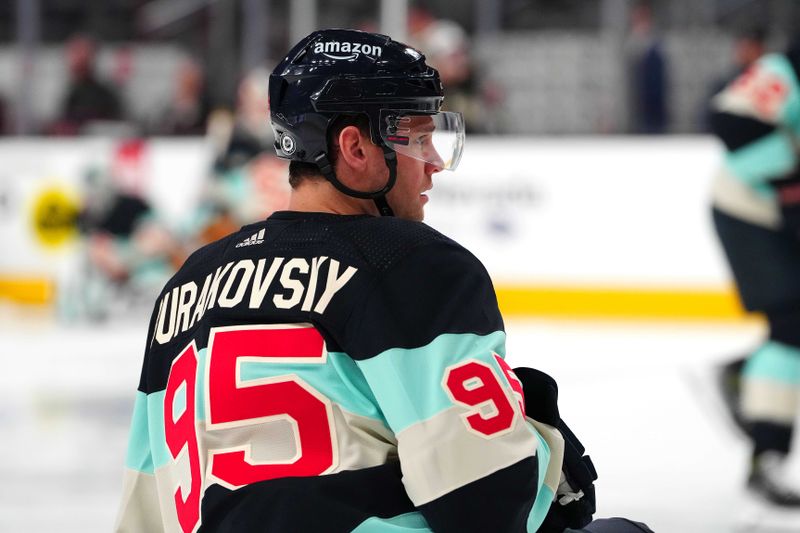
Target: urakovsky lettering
248,282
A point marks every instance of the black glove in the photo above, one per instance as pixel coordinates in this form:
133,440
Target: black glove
575,502
575,498
541,395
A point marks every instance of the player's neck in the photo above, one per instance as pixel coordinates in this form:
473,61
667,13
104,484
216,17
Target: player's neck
322,197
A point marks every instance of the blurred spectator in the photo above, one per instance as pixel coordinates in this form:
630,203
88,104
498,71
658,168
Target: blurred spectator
241,137
87,98
646,73
749,45
187,112
249,180
446,48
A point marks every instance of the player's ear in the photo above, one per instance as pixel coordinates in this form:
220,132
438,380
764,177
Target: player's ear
353,148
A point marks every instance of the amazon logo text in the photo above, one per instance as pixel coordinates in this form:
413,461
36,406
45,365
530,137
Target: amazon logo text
337,50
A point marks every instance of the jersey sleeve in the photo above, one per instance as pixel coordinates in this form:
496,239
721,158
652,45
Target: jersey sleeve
140,509
756,117
429,340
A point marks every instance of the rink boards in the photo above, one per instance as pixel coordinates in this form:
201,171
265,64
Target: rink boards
590,226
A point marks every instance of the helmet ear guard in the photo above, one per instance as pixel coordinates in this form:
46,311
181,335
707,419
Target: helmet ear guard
327,170
332,73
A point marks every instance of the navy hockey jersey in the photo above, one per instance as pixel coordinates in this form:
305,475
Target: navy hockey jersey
757,117
319,372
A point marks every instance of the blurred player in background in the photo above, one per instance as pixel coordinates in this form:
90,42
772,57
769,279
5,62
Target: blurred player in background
339,366
129,252
756,210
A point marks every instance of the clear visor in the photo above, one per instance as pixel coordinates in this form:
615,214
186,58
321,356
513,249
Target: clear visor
436,138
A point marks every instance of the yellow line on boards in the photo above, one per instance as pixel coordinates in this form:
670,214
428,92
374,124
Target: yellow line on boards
27,290
644,303
524,300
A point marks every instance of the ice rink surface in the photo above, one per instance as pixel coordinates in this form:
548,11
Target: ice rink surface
632,391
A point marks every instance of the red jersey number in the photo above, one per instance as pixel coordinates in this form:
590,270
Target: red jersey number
232,402
513,382
181,435
474,384
235,403
765,91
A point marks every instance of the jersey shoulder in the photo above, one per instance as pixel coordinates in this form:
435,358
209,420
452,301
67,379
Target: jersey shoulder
768,91
383,242
427,286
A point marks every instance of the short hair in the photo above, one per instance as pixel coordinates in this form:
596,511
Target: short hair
299,171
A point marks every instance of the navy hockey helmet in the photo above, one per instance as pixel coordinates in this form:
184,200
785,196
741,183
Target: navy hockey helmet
345,72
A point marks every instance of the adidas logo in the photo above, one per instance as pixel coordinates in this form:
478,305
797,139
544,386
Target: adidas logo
255,238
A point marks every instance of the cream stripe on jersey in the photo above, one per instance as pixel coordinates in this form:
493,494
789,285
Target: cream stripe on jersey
140,508
732,196
167,484
362,442
439,455
769,401
555,442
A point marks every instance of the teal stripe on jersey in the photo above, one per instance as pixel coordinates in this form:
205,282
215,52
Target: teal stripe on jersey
339,380
544,495
765,159
155,414
408,382
200,402
138,456
155,419
544,498
775,361
404,523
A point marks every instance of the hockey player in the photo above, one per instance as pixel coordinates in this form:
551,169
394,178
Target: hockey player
330,369
756,210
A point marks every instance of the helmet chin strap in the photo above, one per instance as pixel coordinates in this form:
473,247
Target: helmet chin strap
390,157
379,196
